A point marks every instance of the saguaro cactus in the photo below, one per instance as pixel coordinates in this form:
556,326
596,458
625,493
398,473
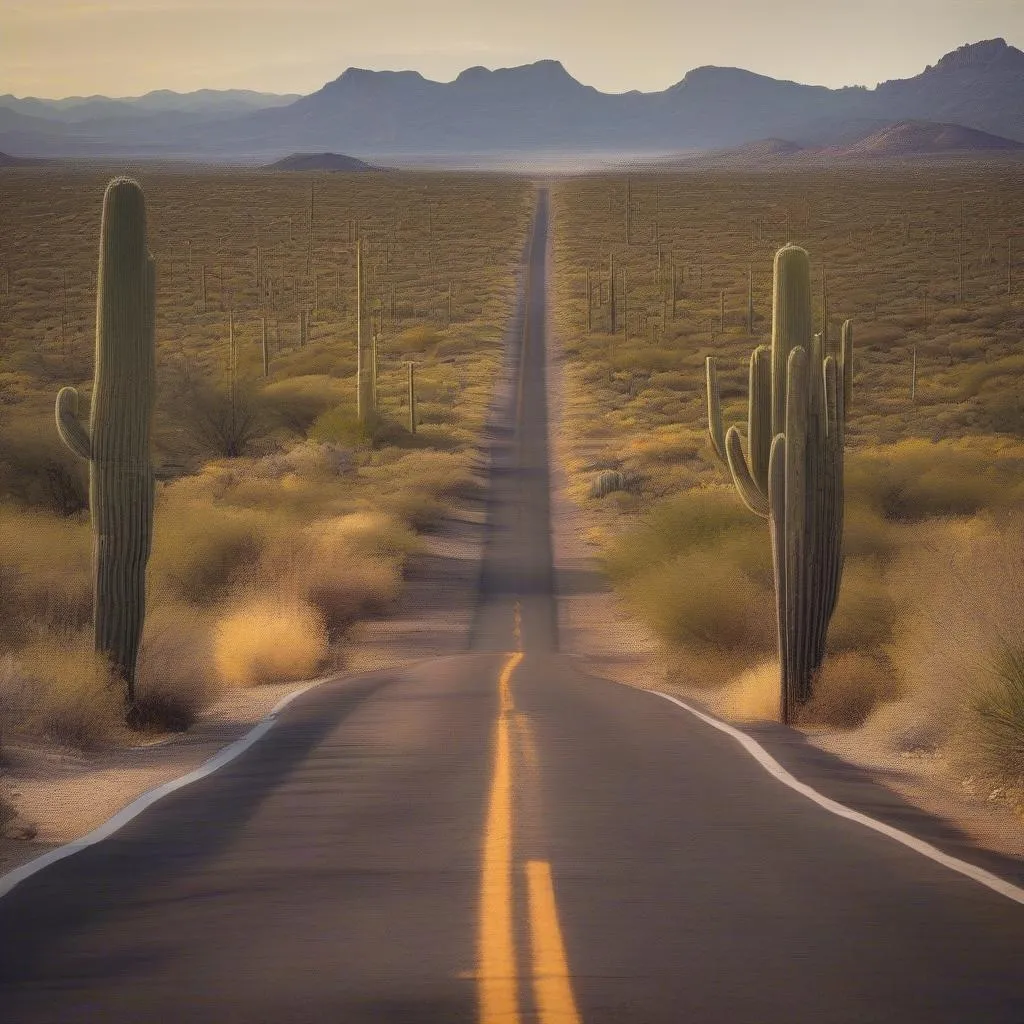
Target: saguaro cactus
117,443
790,468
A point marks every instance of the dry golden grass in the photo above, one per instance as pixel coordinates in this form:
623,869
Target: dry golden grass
269,640
635,403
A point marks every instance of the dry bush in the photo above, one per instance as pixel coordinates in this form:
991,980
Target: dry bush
46,565
201,549
175,681
848,688
224,425
695,520
866,611
700,600
59,688
269,640
418,339
956,643
348,567
915,480
296,402
37,470
753,695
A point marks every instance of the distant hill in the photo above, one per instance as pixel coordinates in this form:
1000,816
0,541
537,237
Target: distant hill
921,138
209,103
535,110
899,141
6,160
320,162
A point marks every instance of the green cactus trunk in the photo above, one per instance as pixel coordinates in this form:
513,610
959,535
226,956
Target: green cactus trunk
117,445
791,472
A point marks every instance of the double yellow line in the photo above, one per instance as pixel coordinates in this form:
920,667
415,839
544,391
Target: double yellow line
497,970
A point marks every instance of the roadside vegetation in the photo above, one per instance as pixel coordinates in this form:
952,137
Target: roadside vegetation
281,522
925,647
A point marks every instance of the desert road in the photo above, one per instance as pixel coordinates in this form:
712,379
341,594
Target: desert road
497,837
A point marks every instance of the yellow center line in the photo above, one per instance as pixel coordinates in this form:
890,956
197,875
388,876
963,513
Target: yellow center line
551,986
496,956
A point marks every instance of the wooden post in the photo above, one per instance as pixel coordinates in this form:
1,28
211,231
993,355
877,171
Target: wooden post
412,397
266,351
611,293
625,308
309,254
590,302
750,300
629,206
204,288
721,309
913,376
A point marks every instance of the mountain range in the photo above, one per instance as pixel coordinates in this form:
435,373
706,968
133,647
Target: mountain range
531,110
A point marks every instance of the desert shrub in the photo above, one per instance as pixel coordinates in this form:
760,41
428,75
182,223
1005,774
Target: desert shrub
46,563
297,401
848,688
201,549
916,480
175,680
340,425
959,639
695,520
612,480
866,612
221,425
699,600
61,689
418,339
37,470
269,640
999,708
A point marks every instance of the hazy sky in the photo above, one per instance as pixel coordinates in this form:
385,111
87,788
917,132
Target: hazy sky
126,47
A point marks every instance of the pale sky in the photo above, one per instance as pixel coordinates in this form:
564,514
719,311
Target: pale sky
56,48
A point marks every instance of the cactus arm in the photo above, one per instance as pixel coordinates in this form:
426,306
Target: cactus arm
792,321
847,364
71,431
715,428
828,372
760,415
753,497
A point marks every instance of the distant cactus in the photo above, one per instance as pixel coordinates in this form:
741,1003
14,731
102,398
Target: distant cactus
608,481
790,470
412,397
117,444
365,405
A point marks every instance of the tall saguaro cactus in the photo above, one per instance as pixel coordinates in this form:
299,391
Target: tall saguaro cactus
117,443
789,470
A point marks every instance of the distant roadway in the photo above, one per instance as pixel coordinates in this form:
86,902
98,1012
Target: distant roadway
500,838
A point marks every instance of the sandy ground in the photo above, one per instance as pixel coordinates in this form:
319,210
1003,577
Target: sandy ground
595,627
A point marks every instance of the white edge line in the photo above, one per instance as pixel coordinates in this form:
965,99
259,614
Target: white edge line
770,765
140,803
